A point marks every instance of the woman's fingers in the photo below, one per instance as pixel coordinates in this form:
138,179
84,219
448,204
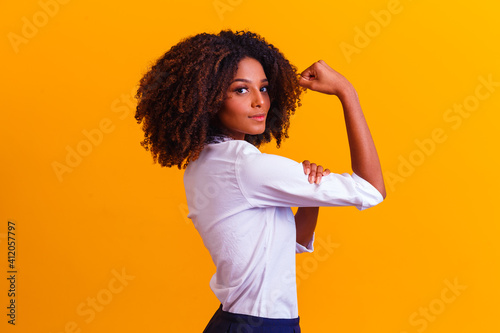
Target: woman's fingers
307,167
319,174
322,78
315,172
308,74
308,77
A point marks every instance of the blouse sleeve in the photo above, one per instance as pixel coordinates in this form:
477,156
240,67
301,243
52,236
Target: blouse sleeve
270,180
299,248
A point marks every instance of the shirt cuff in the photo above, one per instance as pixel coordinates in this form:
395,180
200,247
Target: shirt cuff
299,248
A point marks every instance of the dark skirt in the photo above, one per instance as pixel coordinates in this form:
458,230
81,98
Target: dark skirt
226,322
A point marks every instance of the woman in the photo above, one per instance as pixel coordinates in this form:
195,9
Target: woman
206,106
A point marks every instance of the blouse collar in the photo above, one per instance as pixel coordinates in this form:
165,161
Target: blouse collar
218,138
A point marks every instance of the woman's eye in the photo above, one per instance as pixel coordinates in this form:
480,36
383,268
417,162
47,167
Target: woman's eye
240,90
243,90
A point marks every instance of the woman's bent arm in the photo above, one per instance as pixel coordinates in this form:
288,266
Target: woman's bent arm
364,158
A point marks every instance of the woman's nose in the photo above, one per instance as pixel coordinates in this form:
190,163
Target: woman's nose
257,100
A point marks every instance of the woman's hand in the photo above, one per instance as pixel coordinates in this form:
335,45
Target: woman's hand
322,78
314,171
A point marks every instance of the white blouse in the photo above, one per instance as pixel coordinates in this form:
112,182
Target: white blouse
240,201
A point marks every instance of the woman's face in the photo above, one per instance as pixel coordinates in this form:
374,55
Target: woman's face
247,104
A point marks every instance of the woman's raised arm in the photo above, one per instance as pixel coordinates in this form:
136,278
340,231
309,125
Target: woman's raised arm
364,158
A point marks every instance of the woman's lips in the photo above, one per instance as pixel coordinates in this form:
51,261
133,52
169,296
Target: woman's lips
259,117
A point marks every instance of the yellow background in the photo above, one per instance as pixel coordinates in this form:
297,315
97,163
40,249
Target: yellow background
116,212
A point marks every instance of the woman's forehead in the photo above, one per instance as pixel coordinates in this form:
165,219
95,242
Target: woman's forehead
250,69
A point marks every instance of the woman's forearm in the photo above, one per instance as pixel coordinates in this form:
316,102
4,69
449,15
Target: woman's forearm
364,158
305,223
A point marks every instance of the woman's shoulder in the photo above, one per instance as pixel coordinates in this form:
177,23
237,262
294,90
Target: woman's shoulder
222,153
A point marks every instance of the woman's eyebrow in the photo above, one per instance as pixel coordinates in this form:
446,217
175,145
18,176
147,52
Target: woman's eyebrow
248,81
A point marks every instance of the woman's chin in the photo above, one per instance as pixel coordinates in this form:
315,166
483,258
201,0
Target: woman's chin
260,132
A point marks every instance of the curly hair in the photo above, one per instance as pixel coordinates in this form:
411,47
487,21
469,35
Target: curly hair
180,95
